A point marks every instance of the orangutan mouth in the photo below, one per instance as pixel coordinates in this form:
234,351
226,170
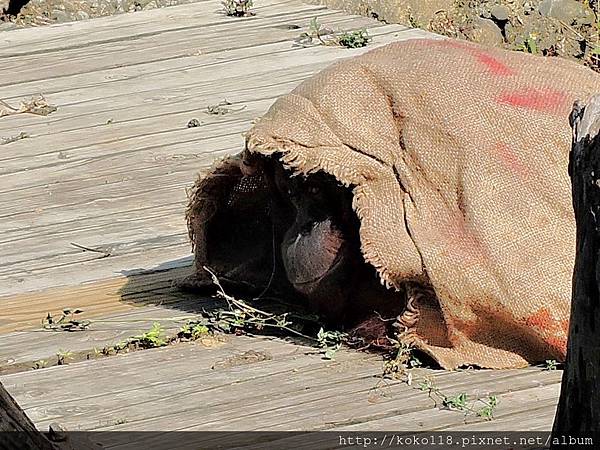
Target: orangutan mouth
311,256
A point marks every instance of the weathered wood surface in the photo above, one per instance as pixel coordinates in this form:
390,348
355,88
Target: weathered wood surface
579,406
109,169
252,383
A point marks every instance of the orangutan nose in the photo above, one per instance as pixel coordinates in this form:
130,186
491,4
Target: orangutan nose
308,256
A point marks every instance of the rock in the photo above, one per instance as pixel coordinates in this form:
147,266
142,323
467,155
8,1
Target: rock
82,15
486,32
415,12
500,13
60,16
150,5
568,11
424,11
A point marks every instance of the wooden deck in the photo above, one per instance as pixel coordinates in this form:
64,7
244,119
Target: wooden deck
109,170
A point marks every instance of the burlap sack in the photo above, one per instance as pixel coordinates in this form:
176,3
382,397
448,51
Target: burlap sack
457,157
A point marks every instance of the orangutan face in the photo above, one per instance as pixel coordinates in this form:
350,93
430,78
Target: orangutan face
320,249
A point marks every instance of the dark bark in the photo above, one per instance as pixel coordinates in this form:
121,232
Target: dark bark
578,414
14,7
16,429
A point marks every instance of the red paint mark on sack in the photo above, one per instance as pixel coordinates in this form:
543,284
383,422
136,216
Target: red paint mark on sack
461,242
510,159
547,100
555,330
542,319
559,345
493,64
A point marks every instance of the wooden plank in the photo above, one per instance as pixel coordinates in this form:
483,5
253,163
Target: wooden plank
183,73
99,299
64,197
20,351
136,59
131,137
530,410
87,270
200,361
62,143
75,63
95,113
516,394
396,403
135,248
112,85
118,101
196,375
121,27
295,391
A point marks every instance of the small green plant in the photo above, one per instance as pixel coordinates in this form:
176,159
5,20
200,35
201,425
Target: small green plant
550,364
237,317
403,359
193,330
426,385
66,322
237,8
459,402
354,39
456,402
530,45
240,317
42,363
487,412
62,356
330,342
318,34
152,338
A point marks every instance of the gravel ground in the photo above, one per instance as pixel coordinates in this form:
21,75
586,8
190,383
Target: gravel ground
566,28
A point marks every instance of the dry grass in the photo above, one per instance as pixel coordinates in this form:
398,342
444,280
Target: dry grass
36,105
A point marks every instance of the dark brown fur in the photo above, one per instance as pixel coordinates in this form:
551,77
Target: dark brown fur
321,254
289,233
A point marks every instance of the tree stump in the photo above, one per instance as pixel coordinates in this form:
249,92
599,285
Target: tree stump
16,429
578,414
14,7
